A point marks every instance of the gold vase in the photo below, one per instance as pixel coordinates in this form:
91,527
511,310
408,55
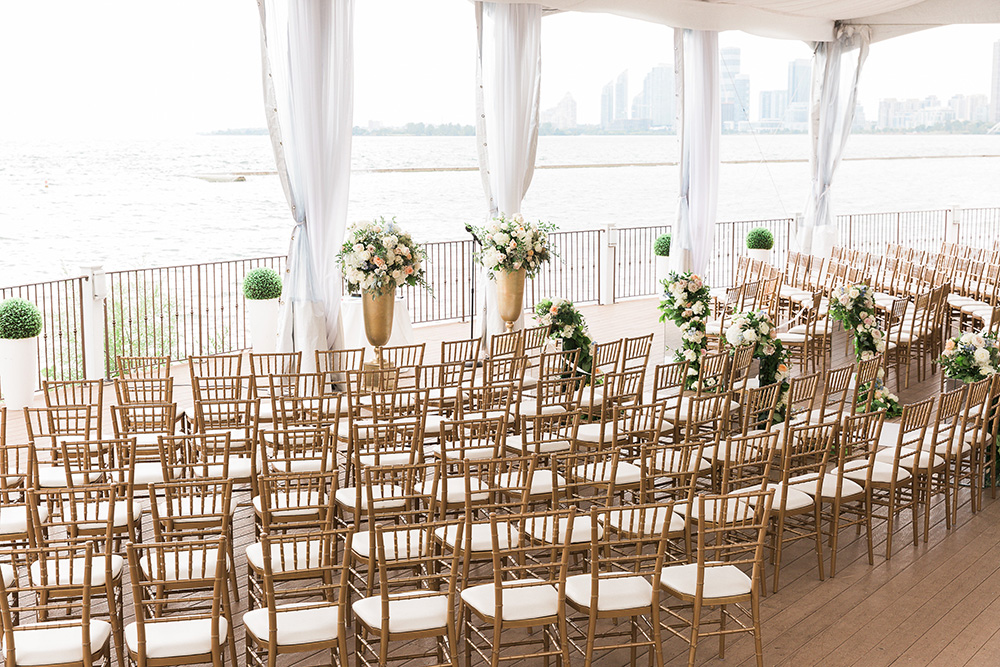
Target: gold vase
510,295
378,310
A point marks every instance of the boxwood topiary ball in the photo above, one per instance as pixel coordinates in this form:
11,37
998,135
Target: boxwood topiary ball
261,284
760,238
19,319
661,246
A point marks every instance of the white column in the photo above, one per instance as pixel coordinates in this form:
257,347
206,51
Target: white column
95,291
609,246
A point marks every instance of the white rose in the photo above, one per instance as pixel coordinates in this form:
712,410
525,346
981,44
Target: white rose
749,336
982,356
690,355
733,335
698,308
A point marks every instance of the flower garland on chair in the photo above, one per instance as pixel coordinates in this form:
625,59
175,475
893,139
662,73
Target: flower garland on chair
686,304
854,308
567,325
756,328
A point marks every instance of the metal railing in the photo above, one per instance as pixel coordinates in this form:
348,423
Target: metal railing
60,344
198,308
178,310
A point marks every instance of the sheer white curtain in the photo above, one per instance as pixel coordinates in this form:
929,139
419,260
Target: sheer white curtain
308,72
836,70
510,73
696,61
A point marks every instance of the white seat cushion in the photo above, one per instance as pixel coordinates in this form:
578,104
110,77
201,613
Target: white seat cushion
807,484
720,581
50,477
517,443
291,556
296,625
188,507
670,460
797,499
70,572
591,432
652,522
737,510
481,533
99,513
625,473
347,497
615,592
427,612
908,458
456,489
539,484
37,644
198,563
174,638
286,504
520,600
147,472
542,530
400,458
414,543
14,519
530,409
881,472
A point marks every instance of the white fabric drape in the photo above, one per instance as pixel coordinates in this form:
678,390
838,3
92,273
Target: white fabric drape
308,71
836,70
510,74
696,61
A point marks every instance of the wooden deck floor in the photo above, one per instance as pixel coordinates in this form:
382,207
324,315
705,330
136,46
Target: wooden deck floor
934,604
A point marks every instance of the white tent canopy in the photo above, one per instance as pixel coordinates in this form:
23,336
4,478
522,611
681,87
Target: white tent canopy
794,19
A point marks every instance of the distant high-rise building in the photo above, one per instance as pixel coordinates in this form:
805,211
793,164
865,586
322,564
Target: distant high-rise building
970,108
608,105
773,104
735,88
563,115
621,96
656,101
799,81
995,87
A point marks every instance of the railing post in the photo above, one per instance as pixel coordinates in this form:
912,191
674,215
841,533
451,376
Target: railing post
95,290
606,269
954,228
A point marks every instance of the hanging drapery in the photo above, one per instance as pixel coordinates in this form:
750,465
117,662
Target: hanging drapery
509,69
696,63
308,72
836,70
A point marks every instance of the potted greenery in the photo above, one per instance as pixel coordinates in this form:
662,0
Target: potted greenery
661,253
20,324
759,243
262,288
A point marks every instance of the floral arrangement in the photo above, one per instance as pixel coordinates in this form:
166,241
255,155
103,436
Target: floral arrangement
513,244
686,304
854,307
567,325
756,328
378,256
262,284
19,319
760,238
970,357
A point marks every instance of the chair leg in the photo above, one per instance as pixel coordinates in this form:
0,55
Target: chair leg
757,642
695,623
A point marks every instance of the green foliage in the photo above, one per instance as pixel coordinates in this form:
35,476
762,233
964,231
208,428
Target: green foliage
262,283
566,324
19,319
760,238
661,246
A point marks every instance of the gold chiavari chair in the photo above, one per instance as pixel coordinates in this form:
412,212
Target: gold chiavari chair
77,393
142,367
727,573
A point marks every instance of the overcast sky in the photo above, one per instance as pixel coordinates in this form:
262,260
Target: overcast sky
117,68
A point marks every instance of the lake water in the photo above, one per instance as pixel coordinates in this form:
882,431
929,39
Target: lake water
132,204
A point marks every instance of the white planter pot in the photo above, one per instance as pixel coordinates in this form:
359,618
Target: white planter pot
760,255
263,315
662,270
18,371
